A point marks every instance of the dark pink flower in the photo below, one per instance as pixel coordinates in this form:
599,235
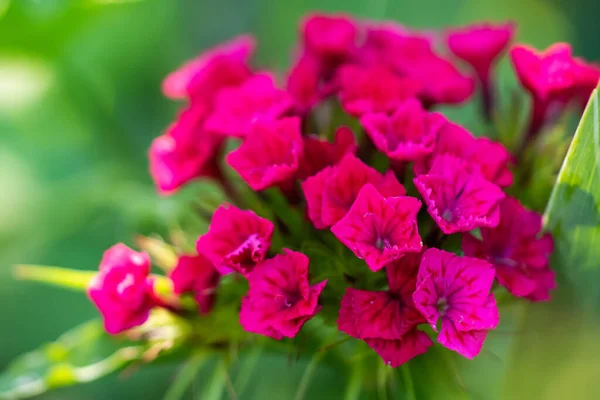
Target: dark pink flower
380,230
270,154
122,290
457,290
459,199
490,158
518,251
220,67
197,275
185,152
373,89
236,240
330,193
237,109
304,82
280,299
319,153
408,134
329,36
387,320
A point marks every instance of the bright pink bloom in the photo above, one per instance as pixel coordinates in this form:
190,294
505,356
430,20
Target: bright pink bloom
236,240
122,290
408,134
185,152
280,299
270,154
373,89
220,67
257,99
457,199
490,158
457,290
330,193
319,153
197,275
304,82
387,320
329,36
380,230
517,250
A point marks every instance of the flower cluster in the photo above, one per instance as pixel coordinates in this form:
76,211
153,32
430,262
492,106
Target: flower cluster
390,195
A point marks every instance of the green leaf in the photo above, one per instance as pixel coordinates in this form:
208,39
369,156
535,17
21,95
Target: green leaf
81,355
186,376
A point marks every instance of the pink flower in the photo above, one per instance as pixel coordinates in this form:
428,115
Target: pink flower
457,199
270,154
380,230
186,152
517,250
236,240
319,153
408,134
329,36
490,158
237,109
122,290
457,290
373,89
280,299
304,83
196,274
330,193
215,69
387,320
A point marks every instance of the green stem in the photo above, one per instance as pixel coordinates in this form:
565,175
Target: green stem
57,276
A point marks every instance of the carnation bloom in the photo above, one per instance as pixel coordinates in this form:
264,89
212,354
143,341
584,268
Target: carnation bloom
270,154
304,83
490,158
408,134
122,290
236,240
372,89
237,109
331,192
457,290
215,69
185,152
457,199
319,153
330,37
197,275
387,320
380,230
480,45
280,299
518,251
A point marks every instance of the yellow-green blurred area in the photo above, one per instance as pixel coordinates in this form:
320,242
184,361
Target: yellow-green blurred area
80,102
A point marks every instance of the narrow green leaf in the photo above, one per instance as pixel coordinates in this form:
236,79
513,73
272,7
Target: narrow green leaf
216,386
308,374
57,276
186,376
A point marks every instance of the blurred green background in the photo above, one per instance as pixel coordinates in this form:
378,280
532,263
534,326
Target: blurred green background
80,102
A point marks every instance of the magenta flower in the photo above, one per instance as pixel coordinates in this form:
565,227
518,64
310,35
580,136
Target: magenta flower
218,68
387,320
280,299
380,230
457,290
197,275
122,290
304,83
237,109
330,193
330,37
480,46
236,240
319,153
408,134
186,152
373,89
270,154
459,200
490,158
517,251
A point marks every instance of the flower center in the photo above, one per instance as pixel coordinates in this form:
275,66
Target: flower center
448,215
442,305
